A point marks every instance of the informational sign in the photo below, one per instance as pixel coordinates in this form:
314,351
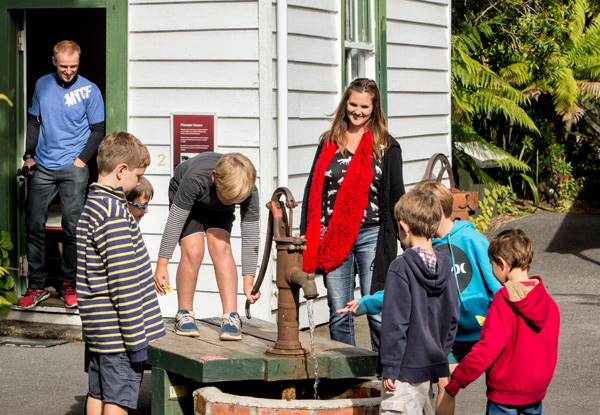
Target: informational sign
192,134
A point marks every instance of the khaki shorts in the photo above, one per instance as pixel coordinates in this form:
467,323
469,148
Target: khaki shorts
408,399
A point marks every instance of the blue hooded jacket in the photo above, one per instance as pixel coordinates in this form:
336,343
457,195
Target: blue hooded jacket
468,250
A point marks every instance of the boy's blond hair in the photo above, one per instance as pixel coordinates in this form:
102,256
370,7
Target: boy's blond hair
143,189
442,192
121,147
235,176
515,246
421,210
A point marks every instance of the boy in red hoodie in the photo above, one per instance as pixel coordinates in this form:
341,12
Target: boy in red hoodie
518,346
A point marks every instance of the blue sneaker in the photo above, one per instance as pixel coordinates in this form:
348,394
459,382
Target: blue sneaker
231,327
185,324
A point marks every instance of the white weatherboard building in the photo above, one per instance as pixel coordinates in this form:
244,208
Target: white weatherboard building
271,71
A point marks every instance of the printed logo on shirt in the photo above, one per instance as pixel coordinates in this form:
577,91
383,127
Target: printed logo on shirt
78,95
462,266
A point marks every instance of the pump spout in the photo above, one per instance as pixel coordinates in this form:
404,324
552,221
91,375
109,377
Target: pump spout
306,282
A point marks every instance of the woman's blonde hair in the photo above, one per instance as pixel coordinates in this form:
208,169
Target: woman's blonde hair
376,123
121,147
235,176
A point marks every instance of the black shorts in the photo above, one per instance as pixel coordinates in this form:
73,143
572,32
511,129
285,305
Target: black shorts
201,220
113,378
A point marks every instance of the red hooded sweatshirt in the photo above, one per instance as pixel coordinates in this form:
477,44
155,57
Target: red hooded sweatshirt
517,349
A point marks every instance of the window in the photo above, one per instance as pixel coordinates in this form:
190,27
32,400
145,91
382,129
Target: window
359,45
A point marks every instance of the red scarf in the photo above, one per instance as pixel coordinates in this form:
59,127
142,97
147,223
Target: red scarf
348,211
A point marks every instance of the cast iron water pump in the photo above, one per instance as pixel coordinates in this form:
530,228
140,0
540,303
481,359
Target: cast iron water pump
290,277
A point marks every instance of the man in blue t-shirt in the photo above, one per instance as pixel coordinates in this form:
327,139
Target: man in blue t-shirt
65,126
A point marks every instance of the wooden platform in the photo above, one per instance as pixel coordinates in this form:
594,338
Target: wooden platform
207,359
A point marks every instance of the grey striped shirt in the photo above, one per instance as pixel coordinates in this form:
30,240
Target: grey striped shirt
192,185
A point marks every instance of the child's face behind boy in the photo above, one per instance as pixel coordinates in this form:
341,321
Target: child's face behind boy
136,210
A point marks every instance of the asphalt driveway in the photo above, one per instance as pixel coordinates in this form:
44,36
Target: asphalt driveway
567,256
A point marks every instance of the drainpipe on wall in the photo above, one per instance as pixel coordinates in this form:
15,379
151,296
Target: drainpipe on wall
282,91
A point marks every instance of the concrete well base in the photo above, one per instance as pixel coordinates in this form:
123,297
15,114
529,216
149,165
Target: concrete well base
363,399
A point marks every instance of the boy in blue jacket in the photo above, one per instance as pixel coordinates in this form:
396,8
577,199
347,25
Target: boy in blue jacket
414,347
468,250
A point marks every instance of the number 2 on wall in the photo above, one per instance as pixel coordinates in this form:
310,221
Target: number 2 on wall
161,160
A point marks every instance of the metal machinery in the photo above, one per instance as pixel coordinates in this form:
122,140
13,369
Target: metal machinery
464,201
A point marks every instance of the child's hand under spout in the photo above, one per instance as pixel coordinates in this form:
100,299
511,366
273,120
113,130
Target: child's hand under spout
351,306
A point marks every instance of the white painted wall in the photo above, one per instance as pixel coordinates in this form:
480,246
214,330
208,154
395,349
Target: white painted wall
188,56
418,55
201,56
314,83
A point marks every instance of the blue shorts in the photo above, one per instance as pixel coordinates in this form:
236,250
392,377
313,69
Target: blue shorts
113,378
459,351
494,408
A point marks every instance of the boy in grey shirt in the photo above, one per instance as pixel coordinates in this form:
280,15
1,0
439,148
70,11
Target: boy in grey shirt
203,193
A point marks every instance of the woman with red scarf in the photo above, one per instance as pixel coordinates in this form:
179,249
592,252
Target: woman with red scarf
348,206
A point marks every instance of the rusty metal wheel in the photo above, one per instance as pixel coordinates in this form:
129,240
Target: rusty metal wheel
438,168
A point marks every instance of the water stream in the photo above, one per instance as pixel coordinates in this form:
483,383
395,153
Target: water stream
311,322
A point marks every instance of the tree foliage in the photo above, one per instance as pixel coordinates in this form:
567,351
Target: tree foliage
518,65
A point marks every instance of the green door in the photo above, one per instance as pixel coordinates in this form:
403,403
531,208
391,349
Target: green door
28,31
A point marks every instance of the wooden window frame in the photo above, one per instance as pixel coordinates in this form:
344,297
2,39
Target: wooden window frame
371,34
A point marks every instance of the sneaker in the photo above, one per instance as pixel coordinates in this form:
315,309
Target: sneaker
231,327
185,324
32,298
68,295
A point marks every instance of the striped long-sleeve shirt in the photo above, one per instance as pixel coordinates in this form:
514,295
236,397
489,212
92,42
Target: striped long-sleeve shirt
117,301
191,186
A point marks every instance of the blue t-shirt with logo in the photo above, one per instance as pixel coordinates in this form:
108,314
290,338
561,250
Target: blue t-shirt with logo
67,114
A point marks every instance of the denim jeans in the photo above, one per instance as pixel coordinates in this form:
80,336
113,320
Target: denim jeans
494,408
70,183
340,285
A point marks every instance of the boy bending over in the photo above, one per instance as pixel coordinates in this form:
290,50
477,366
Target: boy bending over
203,193
519,339
118,307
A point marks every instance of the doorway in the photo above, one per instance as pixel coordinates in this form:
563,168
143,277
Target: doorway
42,29
45,28
100,28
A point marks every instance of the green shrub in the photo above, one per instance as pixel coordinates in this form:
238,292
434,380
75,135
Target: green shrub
7,282
501,200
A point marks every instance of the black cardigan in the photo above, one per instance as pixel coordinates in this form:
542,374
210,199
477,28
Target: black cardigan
392,189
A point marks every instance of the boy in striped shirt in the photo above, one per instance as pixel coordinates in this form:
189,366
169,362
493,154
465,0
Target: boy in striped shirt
118,306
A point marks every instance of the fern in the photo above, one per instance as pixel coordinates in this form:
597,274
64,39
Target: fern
590,89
